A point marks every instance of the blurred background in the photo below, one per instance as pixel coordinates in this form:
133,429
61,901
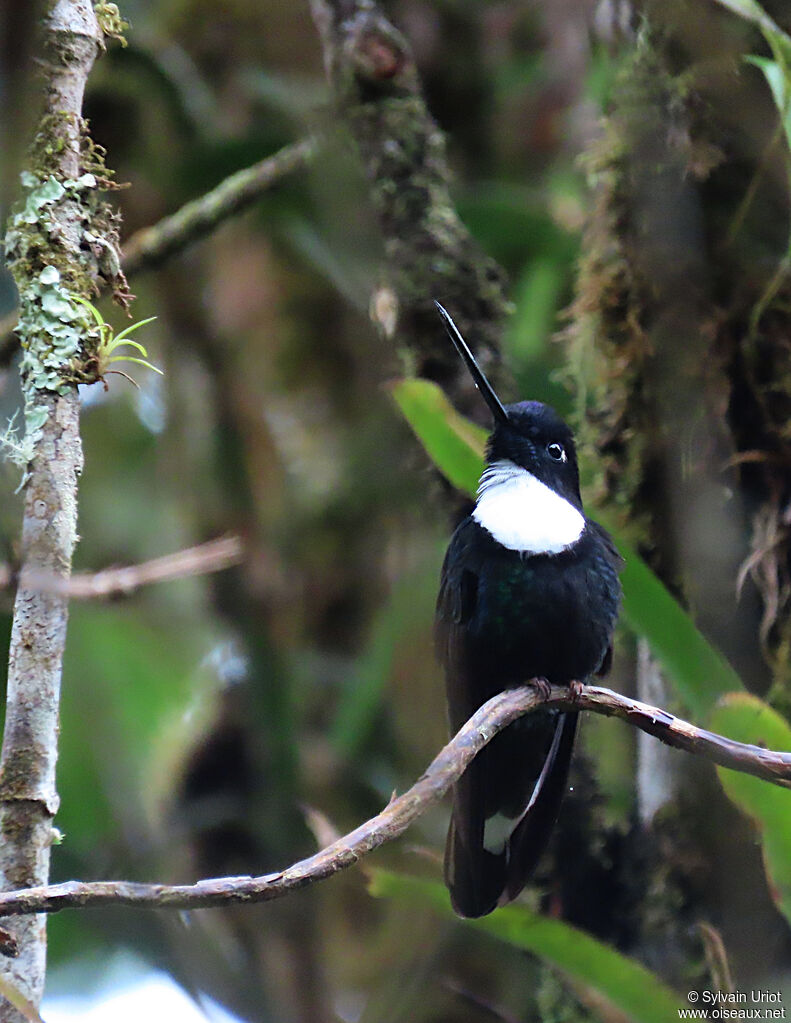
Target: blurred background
627,167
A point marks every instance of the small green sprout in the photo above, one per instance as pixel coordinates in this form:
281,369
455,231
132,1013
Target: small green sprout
97,365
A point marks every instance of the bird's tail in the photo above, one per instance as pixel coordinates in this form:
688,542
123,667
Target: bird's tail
505,806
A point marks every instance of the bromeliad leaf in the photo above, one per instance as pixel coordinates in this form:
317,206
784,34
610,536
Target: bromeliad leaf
746,718
777,73
453,443
98,365
625,984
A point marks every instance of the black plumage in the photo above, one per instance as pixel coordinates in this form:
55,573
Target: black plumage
519,600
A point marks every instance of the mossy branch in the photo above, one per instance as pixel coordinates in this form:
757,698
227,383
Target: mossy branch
151,246
52,246
429,252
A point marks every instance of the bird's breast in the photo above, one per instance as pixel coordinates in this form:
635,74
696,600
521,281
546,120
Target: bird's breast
549,616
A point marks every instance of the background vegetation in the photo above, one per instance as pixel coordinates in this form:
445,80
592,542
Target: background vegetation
628,167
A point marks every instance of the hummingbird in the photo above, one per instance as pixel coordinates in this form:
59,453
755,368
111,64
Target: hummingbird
529,590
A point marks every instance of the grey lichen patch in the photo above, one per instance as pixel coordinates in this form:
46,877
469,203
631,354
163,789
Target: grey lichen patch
54,328
55,266
99,242
51,324
58,323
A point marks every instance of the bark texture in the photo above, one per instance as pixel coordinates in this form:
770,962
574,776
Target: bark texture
430,254
28,797
684,401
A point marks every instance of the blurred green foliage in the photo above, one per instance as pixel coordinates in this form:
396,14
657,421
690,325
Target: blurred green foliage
200,716
747,719
626,985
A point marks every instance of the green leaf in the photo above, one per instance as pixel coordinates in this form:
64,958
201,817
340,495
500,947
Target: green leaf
699,671
125,334
778,76
752,11
453,443
776,73
625,983
97,316
747,719
537,299
140,362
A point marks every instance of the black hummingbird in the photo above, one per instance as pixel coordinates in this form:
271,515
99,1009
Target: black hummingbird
529,590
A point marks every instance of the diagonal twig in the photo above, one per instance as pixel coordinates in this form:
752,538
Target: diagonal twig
213,556
151,246
402,811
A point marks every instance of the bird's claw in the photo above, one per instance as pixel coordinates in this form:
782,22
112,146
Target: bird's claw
575,690
543,687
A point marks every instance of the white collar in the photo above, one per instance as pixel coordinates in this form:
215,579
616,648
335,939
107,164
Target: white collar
524,514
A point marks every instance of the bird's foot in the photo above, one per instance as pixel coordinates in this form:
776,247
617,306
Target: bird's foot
575,690
542,686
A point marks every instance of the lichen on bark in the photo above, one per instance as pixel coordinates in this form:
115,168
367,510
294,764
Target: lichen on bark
54,239
53,267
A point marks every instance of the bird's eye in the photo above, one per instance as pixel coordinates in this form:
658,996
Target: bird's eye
556,451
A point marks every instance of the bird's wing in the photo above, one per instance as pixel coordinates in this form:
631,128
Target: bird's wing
613,555
475,877
507,800
457,604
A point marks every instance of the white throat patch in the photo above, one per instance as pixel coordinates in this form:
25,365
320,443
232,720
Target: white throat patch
524,514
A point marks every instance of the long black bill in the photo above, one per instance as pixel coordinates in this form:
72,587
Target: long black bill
483,385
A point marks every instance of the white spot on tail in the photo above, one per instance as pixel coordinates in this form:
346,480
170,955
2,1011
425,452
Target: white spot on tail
524,514
497,831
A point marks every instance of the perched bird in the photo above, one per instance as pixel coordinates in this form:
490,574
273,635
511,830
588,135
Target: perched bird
529,590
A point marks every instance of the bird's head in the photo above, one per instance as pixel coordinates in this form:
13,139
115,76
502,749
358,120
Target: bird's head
528,435
535,438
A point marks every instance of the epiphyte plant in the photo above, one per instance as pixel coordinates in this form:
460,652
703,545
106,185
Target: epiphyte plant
98,363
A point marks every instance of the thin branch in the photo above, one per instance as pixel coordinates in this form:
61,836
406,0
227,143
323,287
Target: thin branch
673,731
402,811
213,556
153,245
